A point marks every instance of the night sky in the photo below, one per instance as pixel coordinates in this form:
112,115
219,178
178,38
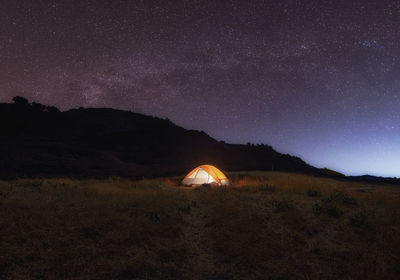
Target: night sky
317,79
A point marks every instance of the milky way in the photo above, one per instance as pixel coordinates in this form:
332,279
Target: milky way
318,79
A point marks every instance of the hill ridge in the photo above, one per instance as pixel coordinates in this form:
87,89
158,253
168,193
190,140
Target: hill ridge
41,140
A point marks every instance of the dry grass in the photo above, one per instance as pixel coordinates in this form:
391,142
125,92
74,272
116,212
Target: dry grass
268,225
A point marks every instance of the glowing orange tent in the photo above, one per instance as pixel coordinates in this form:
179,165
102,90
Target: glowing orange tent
205,174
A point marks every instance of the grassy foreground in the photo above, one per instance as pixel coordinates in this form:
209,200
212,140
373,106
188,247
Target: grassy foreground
268,225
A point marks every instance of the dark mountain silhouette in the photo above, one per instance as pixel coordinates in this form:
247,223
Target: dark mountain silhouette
38,140
375,179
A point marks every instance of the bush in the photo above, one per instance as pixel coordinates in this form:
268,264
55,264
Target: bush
281,206
193,203
316,208
187,208
313,193
342,198
333,211
153,216
360,219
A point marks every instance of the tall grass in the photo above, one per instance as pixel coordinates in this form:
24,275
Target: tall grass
67,229
267,225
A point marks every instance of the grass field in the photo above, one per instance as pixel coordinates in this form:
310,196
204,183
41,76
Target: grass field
268,225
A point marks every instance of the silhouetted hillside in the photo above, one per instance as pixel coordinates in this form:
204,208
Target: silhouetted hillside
375,179
38,140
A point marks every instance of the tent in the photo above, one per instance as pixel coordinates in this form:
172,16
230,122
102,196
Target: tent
205,174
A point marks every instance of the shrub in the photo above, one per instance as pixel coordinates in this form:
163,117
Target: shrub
360,219
193,203
341,197
316,208
281,206
333,211
153,216
187,208
313,193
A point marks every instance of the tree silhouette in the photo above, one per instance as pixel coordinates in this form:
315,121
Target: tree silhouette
38,106
20,100
52,109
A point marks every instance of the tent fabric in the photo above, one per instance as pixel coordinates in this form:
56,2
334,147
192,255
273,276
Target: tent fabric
205,174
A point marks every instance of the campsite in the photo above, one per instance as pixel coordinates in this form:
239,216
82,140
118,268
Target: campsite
266,225
200,140
102,198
